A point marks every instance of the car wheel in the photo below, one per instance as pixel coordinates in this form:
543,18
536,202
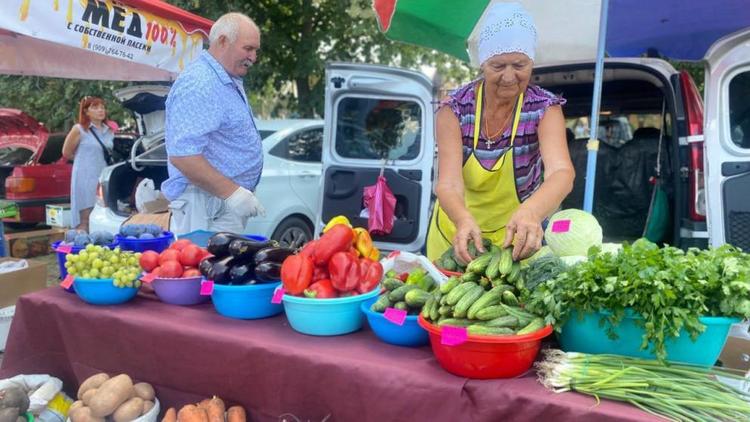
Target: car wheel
293,231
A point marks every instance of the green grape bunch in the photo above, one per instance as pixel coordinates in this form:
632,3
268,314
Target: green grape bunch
101,262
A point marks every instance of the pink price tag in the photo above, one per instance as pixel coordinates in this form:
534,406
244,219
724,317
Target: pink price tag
67,282
65,249
561,226
207,287
148,277
453,336
396,316
278,294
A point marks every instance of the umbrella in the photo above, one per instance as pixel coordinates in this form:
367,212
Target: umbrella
133,40
574,30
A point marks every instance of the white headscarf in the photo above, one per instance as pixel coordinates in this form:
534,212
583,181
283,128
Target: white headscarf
503,28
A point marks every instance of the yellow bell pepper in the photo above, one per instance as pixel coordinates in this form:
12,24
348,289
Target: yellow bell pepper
339,219
363,244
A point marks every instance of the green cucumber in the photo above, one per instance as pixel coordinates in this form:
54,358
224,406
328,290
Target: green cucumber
445,310
399,294
392,284
416,298
503,321
490,313
487,299
449,285
456,322
509,298
434,314
401,305
468,299
506,261
483,330
535,325
427,307
479,264
381,304
493,269
455,295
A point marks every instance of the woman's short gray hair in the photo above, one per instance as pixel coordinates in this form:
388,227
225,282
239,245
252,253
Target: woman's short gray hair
228,25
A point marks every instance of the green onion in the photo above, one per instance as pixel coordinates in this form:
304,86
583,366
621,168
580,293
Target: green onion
677,392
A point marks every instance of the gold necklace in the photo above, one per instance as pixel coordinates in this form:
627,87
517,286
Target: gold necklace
490,137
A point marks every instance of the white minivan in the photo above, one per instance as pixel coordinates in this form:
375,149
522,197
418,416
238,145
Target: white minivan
380,118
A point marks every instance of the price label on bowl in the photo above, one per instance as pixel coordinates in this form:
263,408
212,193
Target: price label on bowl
278,294
396,316
65,249
561,226
453,336
207,287
67,282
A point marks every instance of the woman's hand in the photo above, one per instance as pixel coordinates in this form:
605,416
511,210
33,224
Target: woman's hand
524,233
467,230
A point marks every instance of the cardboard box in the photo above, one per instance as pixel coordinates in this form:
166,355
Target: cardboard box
161,219
736,354
13,284
58,215
158,205
32,243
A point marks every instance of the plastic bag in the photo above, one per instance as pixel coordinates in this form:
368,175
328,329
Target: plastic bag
404,262
40,388
145,192
381,204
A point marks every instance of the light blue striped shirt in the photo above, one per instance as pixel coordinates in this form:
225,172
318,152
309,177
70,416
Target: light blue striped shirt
207,113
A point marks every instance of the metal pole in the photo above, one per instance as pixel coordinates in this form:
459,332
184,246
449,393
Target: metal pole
593,144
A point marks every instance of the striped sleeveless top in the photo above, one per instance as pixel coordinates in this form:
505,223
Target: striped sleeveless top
527,158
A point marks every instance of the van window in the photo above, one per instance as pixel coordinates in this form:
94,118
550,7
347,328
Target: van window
739,109
376,129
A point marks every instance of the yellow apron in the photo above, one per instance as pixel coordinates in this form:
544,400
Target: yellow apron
490,195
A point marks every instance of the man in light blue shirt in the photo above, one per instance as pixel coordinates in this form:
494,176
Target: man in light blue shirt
214,150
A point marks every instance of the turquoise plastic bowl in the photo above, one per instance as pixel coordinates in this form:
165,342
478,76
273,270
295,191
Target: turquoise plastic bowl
252,301
588,337
326,317
411,334
102,291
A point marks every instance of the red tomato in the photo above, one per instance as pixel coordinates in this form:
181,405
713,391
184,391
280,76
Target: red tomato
191,255
156,272
180,244
171,269
191,272
169,255
149,260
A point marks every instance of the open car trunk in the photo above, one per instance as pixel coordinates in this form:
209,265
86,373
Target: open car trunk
637,108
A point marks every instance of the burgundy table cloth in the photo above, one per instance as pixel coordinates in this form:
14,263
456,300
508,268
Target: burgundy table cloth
189,353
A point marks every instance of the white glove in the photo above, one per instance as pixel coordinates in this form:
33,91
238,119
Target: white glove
244,203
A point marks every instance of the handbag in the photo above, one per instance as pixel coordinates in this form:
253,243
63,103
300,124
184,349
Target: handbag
107,156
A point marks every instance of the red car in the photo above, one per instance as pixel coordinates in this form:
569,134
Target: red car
32,167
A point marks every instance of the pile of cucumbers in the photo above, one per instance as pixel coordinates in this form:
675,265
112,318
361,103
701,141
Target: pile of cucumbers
485,298
401,295
448,261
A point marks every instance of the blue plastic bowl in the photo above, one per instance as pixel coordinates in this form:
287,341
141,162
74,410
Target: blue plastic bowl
102,291
157,244
326,317
61,259
200,237
588,337
252,301
411,334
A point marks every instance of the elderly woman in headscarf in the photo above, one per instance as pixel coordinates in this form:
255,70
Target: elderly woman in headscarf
503,159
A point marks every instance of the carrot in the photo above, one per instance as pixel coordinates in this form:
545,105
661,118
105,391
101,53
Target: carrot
170,415
236,414
192,413
215,410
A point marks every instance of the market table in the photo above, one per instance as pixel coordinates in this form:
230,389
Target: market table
189,353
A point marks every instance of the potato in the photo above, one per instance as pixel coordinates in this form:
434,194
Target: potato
88,395
14,397
215,410
192,413
83,414
147,405
75,405
129,410
236,414
114,392
144,390
170,415
94,381
9,414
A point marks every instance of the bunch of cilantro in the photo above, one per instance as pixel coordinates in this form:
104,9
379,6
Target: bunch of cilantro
670,289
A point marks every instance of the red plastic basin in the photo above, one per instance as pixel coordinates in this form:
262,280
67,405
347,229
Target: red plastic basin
448,272
487,357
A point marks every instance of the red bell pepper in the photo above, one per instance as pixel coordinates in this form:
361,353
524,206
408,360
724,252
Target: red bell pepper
371,272
320,273
337,239
296,273
309,249
344,270
322,289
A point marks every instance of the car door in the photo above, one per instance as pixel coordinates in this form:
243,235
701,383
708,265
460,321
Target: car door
378,119
727,143
302,154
